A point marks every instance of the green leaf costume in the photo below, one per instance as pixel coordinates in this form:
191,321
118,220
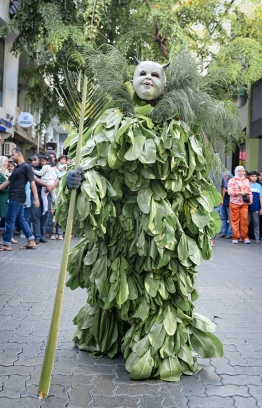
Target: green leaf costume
146,213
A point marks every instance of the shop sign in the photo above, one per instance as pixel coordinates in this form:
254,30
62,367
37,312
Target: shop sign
25,119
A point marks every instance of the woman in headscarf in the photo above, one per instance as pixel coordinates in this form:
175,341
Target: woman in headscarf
3,193
240,197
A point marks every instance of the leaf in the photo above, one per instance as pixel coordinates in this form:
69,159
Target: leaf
83,207
199,219
170,321
170,369
157,335
205,344
143,199
142,368
143,110
113,161
123,286
91,255
167,350
148,154
151,285
136,148
123,129
142,311
203,323
182,248
142,346
186,355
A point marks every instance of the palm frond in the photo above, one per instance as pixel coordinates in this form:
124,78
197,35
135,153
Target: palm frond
70,95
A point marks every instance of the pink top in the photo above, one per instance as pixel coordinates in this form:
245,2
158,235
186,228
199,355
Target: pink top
236,186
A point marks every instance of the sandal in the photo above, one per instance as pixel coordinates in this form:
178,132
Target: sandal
28,247
7,248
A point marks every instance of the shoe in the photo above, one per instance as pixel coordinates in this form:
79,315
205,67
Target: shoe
7,248
246,241
257,242
56,237
43,240
228,237
234,241
14,241
60,237
221,236
52,237
22,236
37,240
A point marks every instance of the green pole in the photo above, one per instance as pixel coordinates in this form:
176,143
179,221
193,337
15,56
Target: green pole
51,345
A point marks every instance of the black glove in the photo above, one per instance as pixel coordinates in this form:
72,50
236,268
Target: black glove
74,178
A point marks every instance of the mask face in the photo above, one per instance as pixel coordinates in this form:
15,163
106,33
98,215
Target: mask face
149,80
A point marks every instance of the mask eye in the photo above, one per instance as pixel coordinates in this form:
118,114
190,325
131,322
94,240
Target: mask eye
142,73
155,74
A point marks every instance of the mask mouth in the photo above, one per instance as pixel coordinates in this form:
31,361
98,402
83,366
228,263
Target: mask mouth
147,83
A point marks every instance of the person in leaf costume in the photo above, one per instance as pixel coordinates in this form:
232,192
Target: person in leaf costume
145,210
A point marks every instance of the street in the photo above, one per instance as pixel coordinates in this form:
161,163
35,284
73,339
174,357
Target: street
230,287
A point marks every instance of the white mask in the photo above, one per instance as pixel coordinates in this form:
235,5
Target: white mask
149,80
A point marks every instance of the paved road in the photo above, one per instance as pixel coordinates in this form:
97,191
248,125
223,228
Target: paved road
230,289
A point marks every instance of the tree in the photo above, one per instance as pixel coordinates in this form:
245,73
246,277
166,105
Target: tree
224,37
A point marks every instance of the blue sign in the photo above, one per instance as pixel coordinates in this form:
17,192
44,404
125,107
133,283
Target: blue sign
6,123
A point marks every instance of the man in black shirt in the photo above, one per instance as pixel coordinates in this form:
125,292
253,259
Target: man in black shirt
15,212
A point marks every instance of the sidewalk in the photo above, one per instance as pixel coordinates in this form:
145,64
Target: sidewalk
230,288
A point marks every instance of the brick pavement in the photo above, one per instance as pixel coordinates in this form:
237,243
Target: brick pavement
230,289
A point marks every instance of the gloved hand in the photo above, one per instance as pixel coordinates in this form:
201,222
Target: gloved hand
74,178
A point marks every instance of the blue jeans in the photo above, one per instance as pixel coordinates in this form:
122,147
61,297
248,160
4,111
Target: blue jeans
225,219
38,220
15,214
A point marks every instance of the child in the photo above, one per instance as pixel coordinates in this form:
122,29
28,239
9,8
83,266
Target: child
48,174
256,207
62,166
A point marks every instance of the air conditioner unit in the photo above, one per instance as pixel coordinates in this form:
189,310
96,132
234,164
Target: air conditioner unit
8,147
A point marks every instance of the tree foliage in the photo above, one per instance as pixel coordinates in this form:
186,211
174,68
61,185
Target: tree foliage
224,37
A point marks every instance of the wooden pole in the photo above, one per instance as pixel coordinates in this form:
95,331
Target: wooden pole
51,345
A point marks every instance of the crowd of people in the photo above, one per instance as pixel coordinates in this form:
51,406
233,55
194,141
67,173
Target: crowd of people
28,198
241,208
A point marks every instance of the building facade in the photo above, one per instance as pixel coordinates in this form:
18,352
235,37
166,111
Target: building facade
13,90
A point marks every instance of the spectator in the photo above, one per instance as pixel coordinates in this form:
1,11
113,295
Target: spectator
49,176
10,167
62,166
226,229
256,207
240,196
3,193
17,197
39,221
